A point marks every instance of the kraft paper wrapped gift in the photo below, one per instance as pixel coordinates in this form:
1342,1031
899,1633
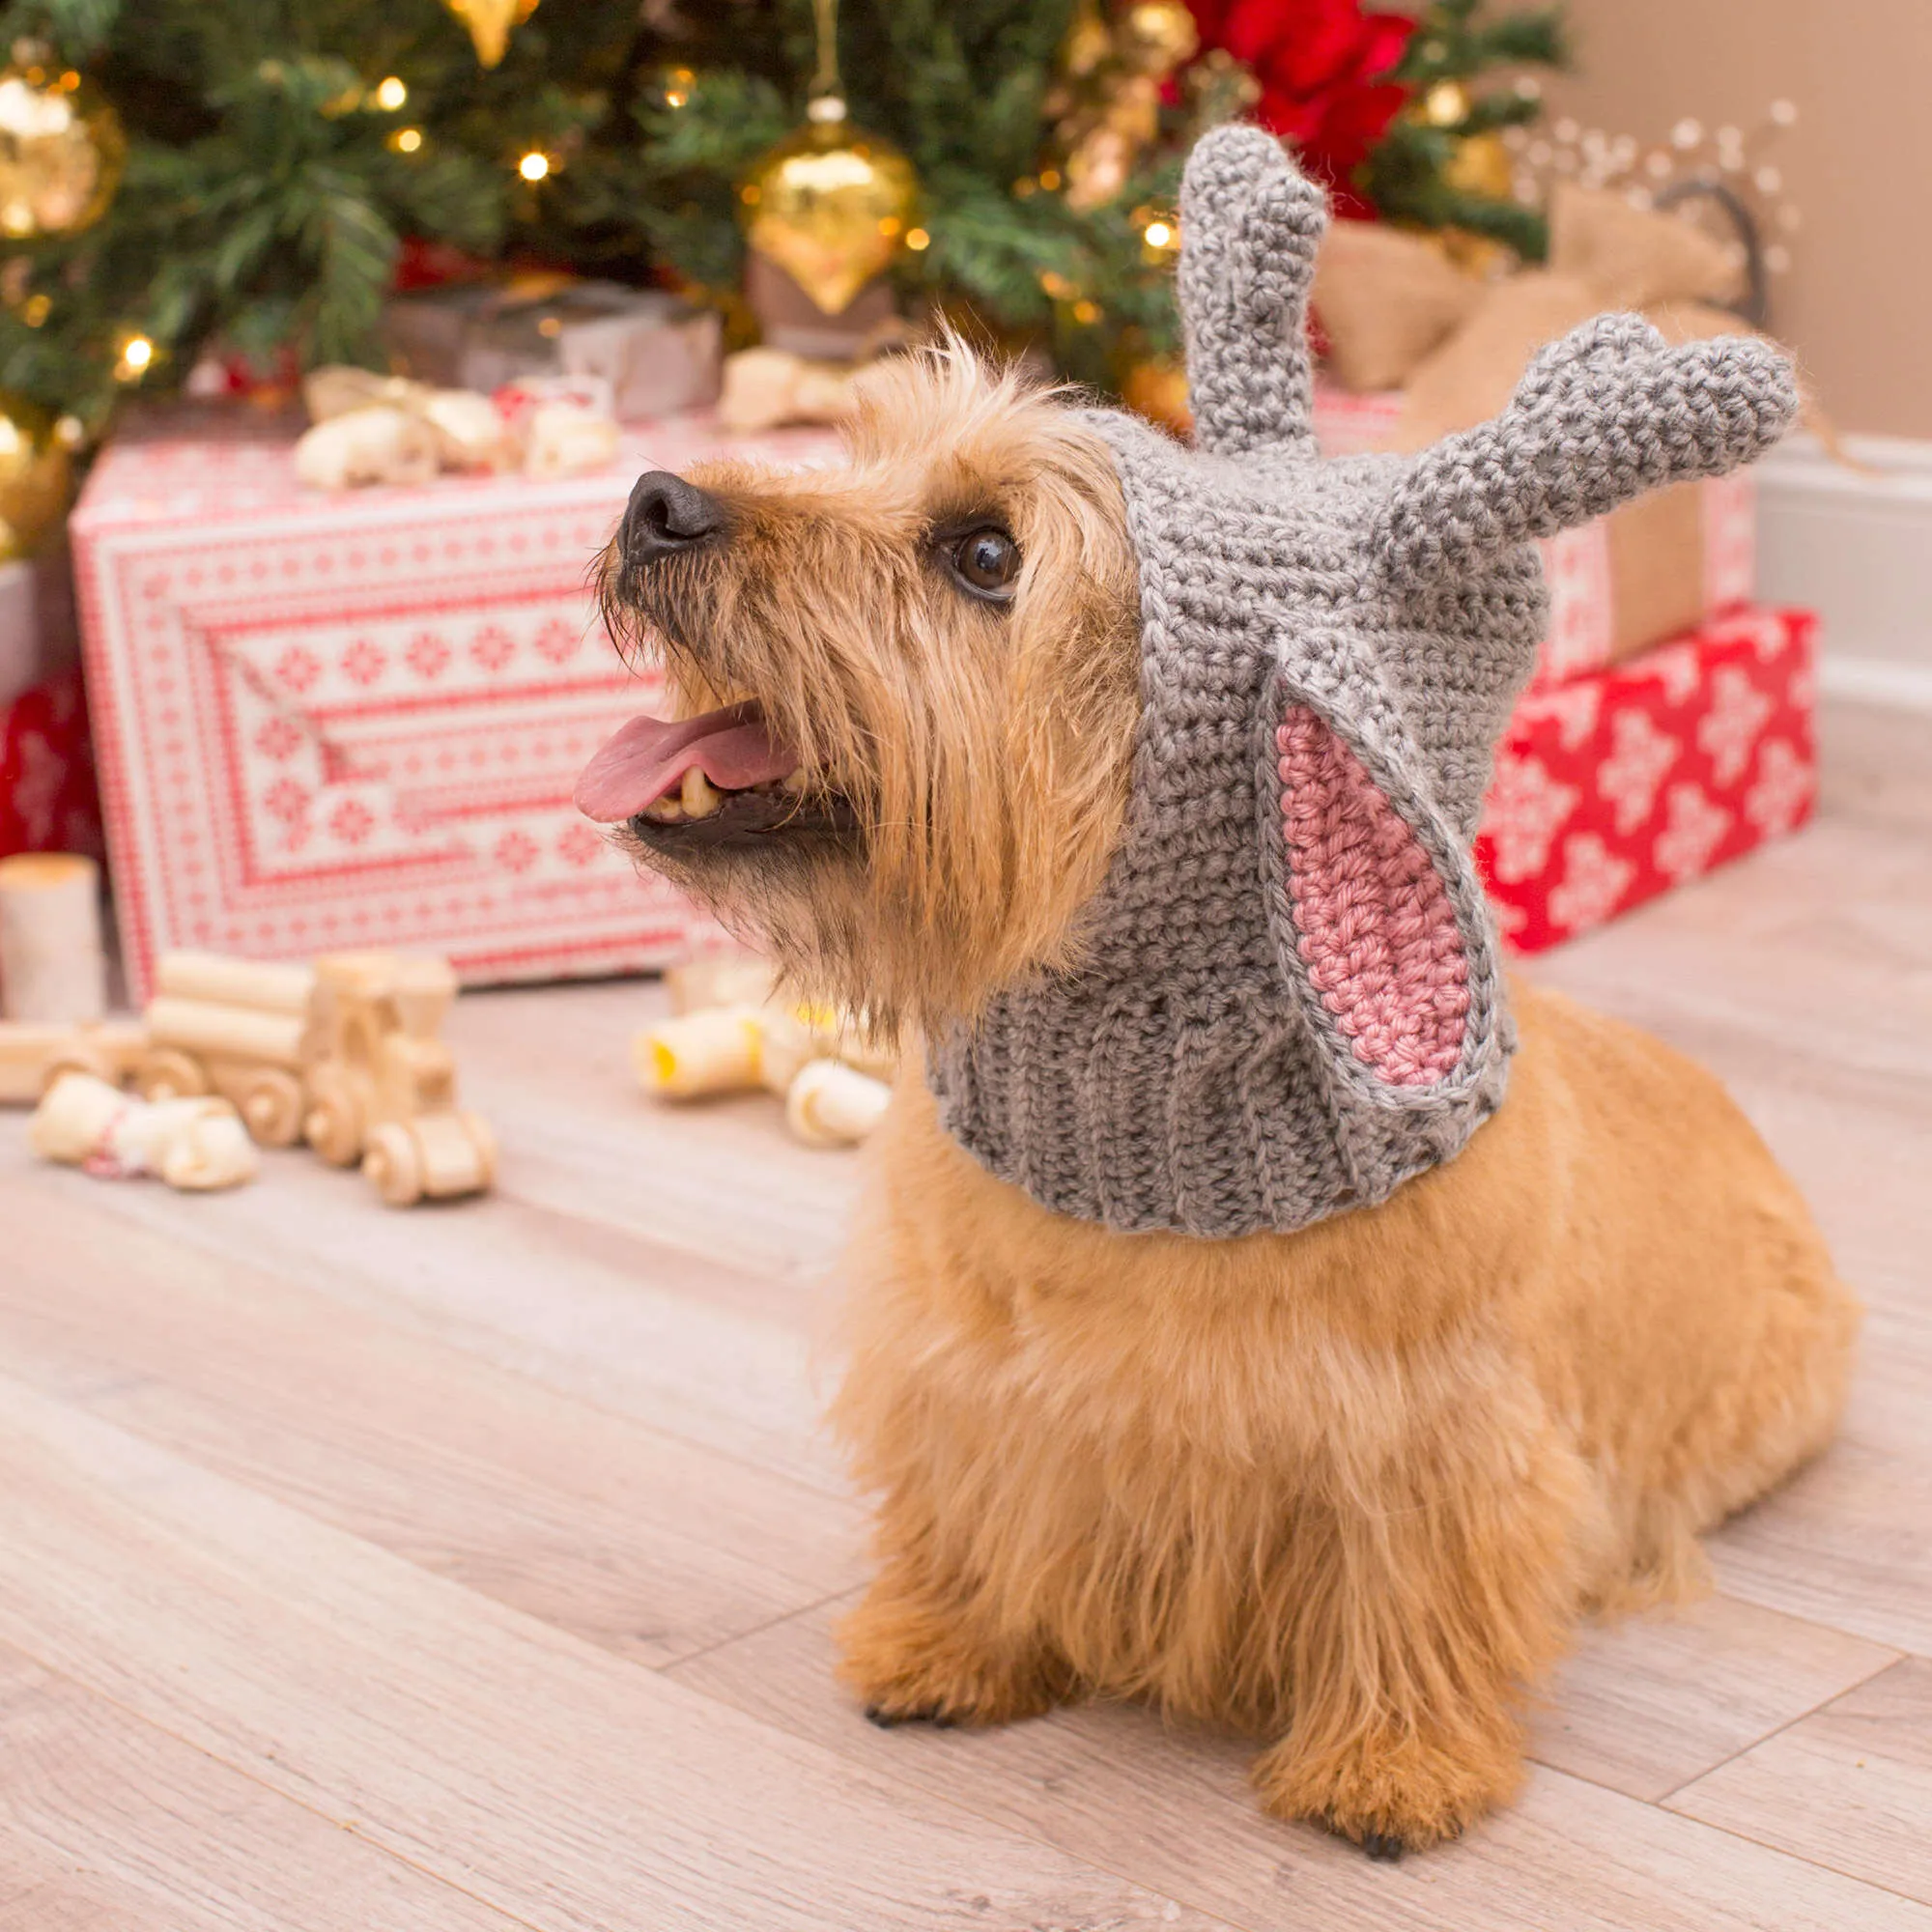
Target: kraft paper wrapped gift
1418,349
325,722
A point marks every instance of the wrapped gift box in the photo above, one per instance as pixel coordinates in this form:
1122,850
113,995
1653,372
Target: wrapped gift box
37,636
47,796
1620,785
1674,558
657,352
334,720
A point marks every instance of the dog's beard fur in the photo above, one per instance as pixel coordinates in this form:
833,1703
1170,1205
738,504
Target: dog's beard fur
984,752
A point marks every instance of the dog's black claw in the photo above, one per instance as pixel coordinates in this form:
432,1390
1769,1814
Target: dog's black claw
1384,1850
890,1720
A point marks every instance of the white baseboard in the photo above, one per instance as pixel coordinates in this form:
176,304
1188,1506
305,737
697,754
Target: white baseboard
1897,687
1854,541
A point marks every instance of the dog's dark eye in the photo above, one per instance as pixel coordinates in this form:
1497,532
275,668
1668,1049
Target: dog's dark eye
987,560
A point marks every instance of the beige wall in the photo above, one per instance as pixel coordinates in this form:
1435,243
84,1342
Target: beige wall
1857,302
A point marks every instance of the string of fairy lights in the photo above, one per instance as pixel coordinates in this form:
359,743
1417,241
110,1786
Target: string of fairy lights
1726,171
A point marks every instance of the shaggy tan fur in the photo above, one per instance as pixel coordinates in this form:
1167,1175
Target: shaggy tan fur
985,752
1348,1489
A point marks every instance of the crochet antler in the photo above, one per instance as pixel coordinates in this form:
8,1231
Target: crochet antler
1605,414
1252,223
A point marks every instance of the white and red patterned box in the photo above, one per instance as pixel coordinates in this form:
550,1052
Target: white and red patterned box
1578,565
1618,785
336,721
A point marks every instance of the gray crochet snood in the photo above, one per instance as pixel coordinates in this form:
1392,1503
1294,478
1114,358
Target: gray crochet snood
1291,1001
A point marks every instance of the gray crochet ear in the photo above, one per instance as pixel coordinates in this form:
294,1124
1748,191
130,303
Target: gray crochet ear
1250,224
1599,417
1378,918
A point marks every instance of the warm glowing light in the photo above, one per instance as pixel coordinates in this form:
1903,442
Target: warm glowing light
1049,179
1158,234
1086,312
534,166
406,140
917,239
138,354
390,93
36,309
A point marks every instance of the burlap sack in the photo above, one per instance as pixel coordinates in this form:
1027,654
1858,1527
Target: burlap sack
1384,299
1470,377
1395,319
1634,257
1657,543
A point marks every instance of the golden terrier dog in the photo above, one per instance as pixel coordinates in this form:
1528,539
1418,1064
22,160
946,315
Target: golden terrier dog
1349,1487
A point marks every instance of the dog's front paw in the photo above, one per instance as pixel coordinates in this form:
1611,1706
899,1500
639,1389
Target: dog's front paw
911,1663
890,1721
1391,1790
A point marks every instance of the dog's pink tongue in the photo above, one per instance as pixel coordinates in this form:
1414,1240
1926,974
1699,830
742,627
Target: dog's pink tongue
649,758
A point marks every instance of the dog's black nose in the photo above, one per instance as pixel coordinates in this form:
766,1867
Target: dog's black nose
666,516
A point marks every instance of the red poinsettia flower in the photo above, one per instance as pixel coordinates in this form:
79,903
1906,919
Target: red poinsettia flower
1320,64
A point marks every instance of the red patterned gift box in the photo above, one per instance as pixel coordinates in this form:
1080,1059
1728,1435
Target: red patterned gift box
47,798
357,720
1616,786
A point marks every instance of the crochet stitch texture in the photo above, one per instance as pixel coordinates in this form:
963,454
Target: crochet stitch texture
1290,999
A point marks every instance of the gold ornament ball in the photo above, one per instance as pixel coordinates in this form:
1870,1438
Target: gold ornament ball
1481,165
1158,36
61,153
1478,164
831,205
34,475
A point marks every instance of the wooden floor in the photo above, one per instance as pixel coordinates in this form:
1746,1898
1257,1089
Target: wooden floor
474,1567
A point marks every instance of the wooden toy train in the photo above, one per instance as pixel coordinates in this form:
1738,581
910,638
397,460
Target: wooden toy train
344,1054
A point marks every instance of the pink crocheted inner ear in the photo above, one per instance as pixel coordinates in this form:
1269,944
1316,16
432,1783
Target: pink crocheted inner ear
1377,933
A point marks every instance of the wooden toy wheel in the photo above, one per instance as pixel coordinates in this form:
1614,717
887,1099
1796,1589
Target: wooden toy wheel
333,1128
483,1140
270,1104
81,1059
394,1165
169,1074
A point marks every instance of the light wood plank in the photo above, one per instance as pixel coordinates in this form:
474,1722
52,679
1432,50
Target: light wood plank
588,1405
1848,1542
549,1778
1171,1809
1650,1703
590,1142
1876,768
107,1822
1849,1787
639,1330
628,1537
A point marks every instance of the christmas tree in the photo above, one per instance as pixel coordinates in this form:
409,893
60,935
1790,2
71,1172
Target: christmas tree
282,157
